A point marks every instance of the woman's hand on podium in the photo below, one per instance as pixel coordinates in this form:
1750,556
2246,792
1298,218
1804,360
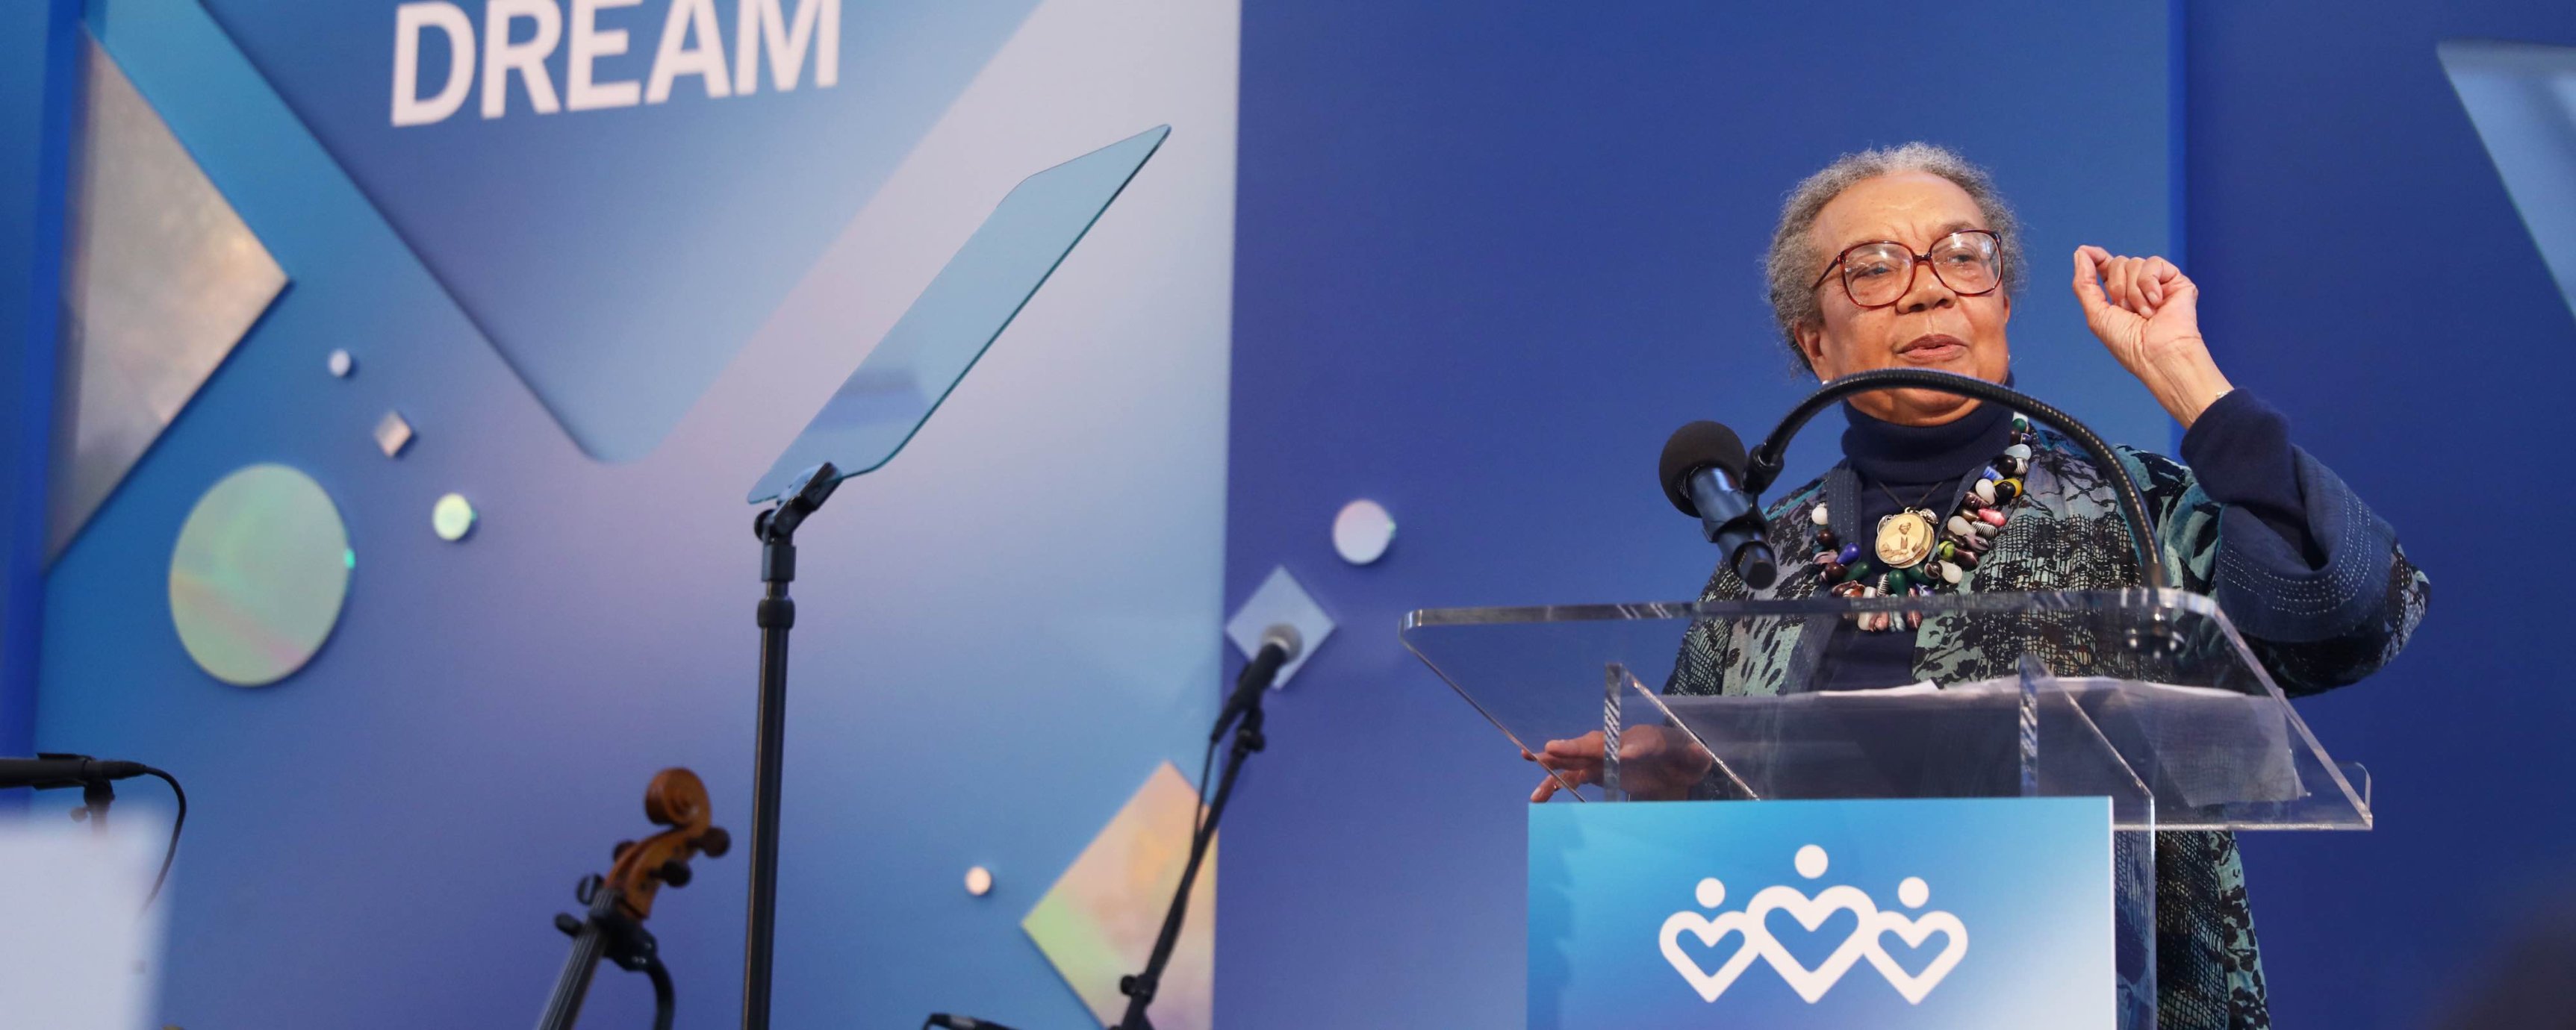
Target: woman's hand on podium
1655,763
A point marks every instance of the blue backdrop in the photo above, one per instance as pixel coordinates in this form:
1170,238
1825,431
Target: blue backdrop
2322,139
1480,266
1484,267
36,112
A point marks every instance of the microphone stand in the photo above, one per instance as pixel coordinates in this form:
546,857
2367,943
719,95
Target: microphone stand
96,795
1140,988
776,528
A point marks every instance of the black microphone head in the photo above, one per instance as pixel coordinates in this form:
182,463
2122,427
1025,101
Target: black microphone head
1696,446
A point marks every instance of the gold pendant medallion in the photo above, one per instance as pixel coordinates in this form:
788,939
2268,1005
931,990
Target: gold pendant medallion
1904,539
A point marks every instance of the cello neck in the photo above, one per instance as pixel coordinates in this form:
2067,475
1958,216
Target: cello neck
573,984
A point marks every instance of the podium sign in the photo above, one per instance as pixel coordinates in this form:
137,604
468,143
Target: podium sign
2143,708
1993,913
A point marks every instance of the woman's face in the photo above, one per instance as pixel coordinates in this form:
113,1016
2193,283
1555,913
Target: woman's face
1930,325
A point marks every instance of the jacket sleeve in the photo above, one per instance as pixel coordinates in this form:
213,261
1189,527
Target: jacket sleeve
2312,578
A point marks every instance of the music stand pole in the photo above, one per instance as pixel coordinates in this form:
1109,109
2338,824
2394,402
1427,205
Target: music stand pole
776,528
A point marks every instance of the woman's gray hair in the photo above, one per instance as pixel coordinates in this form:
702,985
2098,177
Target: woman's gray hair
1795,261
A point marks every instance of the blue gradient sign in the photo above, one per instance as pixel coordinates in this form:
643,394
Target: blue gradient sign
619,192
1987,913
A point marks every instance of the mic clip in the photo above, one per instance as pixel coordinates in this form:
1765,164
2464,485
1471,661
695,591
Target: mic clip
1732,519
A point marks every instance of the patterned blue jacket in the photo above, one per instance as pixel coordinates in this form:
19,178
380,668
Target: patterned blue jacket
2317,619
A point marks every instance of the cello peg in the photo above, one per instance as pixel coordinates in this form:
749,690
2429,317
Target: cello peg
715,842
674,873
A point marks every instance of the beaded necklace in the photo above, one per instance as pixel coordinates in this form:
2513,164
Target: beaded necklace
1918,553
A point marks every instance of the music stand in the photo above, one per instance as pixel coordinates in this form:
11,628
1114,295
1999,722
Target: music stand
874,413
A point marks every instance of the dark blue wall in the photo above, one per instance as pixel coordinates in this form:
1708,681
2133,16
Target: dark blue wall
2362,265
1483,265
37,79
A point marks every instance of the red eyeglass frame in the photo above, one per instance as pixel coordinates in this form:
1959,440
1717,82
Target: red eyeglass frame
1922,260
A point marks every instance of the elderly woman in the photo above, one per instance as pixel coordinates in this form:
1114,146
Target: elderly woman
1907,258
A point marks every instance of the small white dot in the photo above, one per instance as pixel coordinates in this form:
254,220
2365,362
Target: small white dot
1811,861
979,881
1711,893
342,364
1362,531
452,517
1914,892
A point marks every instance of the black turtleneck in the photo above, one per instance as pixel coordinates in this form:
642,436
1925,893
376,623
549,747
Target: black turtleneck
1925,466
1885,452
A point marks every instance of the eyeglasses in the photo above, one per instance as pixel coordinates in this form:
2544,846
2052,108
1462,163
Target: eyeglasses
1970,262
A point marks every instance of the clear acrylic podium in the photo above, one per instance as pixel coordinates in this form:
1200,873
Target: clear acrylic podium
2147,697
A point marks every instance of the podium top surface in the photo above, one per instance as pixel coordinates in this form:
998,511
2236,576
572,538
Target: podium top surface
2147,696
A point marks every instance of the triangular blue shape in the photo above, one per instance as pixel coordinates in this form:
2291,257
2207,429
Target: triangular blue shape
619,256
2522,97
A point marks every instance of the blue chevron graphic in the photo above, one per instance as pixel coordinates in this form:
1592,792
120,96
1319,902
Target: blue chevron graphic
2522,97
618,192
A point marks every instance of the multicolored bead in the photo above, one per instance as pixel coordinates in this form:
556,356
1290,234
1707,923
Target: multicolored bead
1851,572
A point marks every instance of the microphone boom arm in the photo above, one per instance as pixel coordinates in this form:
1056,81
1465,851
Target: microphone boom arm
1766,460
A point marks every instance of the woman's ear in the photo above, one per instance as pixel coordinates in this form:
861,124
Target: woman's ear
1811,346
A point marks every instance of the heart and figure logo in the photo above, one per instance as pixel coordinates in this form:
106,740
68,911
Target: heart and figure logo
1757,943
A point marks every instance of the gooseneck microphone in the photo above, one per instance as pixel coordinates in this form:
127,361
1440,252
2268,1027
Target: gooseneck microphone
51,772
92,776
1702,473
1764,464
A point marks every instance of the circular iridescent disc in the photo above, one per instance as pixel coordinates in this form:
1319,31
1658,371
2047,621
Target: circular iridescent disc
259,573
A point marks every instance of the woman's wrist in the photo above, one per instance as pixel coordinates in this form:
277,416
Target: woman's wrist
2186,384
